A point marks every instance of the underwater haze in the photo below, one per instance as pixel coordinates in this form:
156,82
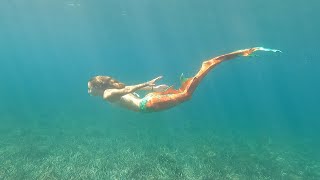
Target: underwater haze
250,118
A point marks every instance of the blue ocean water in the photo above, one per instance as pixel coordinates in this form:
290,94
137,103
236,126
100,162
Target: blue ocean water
251,118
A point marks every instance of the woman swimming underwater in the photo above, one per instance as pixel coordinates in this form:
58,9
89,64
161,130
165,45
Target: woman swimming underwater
161,97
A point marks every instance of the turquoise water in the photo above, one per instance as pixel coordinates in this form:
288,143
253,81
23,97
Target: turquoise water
251,118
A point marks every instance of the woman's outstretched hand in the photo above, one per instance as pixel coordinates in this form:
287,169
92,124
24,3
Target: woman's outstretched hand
153,81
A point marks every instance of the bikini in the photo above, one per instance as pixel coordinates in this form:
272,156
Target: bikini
143,105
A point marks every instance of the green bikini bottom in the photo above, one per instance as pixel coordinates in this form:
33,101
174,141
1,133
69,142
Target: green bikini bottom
143,105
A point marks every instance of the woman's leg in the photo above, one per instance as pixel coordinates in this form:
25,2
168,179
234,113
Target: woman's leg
157,101
191,84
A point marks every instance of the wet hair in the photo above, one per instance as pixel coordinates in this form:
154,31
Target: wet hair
106,82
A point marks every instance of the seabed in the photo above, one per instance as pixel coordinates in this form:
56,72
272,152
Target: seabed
91,153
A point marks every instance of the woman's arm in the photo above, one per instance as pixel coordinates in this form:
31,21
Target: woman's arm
115,94
158,88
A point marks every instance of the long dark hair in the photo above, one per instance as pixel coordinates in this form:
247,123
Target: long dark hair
106,82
